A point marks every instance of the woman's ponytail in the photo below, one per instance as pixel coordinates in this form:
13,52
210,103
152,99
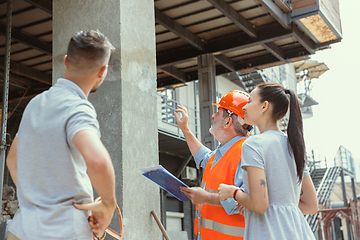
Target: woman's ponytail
295,133
281,100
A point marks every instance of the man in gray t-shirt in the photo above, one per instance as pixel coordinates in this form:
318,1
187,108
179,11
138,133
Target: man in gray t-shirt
57,155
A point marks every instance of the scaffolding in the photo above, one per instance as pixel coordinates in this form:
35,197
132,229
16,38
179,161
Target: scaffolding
4,108
327,216
324,180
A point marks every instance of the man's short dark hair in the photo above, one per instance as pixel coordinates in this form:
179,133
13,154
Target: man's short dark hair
88,49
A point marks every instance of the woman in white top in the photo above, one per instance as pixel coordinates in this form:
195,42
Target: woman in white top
278,188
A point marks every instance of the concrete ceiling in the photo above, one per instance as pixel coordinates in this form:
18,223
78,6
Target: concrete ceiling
244,35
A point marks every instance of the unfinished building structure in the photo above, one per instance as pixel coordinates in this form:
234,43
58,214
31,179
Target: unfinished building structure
161,44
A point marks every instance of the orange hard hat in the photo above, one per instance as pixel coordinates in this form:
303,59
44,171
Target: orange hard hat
234,101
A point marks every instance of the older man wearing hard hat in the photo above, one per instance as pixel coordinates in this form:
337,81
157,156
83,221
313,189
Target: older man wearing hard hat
218,219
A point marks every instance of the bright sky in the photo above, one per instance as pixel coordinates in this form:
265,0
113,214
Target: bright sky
336,118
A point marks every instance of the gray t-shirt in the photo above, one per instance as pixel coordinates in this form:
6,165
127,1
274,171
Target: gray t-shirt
283,219
51,173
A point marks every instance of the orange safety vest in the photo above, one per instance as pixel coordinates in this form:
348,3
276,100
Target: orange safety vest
215,223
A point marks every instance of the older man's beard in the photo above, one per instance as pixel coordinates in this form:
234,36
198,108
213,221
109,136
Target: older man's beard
214,126
211,128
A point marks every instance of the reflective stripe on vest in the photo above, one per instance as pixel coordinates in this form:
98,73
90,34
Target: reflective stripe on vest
203,184
197,215
225,229
197,221
215,223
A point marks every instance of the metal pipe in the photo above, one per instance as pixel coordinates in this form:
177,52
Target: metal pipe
195,111
5,94
345,203
160,225
354,190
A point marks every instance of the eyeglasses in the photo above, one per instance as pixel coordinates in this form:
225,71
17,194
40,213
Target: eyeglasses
245,126
229,112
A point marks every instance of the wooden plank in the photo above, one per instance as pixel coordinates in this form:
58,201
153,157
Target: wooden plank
319,28
298,5
331,9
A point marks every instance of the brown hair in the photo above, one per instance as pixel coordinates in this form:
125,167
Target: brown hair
88,49
276,94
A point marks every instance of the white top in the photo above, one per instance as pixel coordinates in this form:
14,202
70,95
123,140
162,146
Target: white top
283,219
51,173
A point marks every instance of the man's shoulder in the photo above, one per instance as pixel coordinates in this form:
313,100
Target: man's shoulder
70,99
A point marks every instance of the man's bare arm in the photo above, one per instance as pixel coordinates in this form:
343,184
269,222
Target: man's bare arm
102,176
193,143
198,195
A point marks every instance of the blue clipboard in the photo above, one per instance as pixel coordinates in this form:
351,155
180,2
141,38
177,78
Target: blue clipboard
164,179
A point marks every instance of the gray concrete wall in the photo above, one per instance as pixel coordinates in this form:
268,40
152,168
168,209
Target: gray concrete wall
126,101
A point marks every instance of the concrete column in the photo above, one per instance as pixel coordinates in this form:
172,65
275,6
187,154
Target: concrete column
188,209
207,96
126,101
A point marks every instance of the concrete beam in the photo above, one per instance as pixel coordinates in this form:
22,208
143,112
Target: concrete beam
226,62
179,30
19,98
234,16
176,73
306,42
27,40
232,42
14,13
275,50
193,75
45,5
23,70
19,81
35,23
276,12
259,62
270,60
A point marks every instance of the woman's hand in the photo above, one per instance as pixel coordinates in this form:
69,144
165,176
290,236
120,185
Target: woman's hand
240,208
226,191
